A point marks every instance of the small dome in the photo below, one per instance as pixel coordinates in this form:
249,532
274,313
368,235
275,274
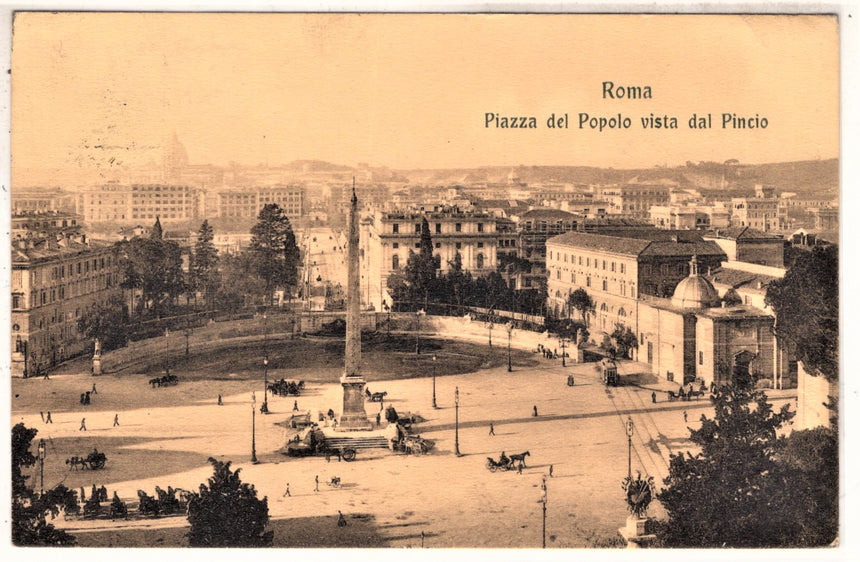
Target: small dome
695,291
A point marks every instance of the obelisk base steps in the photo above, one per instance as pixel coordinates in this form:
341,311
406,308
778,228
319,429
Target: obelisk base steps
353,416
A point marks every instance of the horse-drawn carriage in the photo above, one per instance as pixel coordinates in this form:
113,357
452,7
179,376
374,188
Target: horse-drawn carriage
166,380
682,395
375,396
93,461
414,445
314,443
514,462
284,387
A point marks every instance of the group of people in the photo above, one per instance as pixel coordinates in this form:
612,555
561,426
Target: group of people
547,352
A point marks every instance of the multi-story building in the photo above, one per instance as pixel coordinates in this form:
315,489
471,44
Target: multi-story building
53,283
533,229
826,218
131,203
247,202
684,330
388,237
46,222
634,200
617,270
42,200
761,212
689,217
746,244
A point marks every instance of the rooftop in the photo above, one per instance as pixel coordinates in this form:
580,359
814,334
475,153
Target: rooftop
645,242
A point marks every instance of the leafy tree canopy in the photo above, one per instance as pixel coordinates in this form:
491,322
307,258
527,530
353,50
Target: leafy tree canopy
226,512
273,245
806,304
106,321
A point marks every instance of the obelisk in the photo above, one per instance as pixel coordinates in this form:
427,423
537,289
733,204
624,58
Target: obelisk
353,416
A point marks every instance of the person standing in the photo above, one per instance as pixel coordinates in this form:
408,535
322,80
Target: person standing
287,491
83,425
550,471
492,429
341,520
378,419
653,397
94,389
115,420
220,402
316,483
534,411
685,416
48,418
295,405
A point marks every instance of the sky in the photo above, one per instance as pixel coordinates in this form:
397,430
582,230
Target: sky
413,90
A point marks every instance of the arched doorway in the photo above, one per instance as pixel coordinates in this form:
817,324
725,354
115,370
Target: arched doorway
741,373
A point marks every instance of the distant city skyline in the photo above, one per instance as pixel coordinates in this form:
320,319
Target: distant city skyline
412,91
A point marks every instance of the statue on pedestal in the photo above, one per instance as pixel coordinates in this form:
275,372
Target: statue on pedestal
97,357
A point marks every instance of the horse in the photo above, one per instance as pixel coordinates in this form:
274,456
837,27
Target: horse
148,505
155,382
73,463
521,458
378,396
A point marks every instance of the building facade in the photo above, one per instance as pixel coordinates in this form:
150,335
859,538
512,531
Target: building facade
53,283
247,202
388,237
138,202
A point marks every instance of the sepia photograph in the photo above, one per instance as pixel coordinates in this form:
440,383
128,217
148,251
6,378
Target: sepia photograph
424,280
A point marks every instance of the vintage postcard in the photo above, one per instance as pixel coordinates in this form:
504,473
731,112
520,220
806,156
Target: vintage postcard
369,280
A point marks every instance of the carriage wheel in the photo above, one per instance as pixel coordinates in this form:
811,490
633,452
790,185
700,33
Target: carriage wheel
348,455
492,467
98,464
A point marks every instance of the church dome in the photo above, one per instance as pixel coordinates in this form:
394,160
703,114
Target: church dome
695,291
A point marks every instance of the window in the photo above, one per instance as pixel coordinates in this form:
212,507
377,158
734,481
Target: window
613,266
480,244
622,268
480,227
438,244
565,258
418,228
458,245
580,260
604,284
16,301
604,264
573,277
395,228
395,262
588,281
458,227
418,244
701,357
438,228
480,261
558,274
587,262
395,245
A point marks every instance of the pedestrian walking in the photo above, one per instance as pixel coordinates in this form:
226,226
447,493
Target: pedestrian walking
287,491
48,418
94,389
83,425
43,416
534,411
378,419
316,483
685,416
115,420
492,429
47,378
341,520
220,403
550,471
295,405
653,397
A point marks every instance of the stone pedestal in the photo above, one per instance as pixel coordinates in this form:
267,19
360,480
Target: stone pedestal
97,364
634,532
353,417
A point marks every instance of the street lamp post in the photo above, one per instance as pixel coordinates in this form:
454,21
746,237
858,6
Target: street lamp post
41,467
167,354
264,409
418,316
510,332
543,509
490,331
457,421
563,363
629,445
434,382
253,428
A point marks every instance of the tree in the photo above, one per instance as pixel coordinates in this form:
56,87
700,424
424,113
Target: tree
106,321
154,267
240,285
227,512
733,492
30,510
580,301
625,340
204,267
273,245
806,305
421,268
